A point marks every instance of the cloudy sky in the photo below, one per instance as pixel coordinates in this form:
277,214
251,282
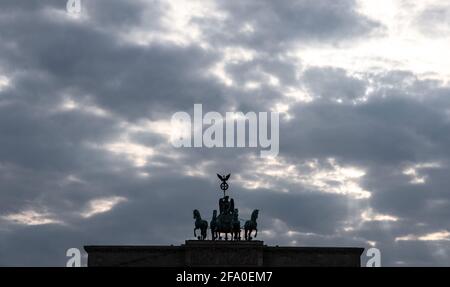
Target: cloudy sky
362,88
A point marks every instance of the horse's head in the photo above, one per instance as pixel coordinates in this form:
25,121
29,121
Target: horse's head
255,214
214,213
196,213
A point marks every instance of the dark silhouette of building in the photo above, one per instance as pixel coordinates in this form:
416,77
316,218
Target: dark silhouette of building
222,253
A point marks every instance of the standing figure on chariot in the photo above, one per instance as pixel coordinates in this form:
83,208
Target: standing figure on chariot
226,206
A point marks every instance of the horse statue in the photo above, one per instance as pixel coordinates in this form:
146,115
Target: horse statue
251,225
200,224
236,226
224,224
213,225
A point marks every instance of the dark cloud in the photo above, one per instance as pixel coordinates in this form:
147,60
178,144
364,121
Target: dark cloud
333,84
268,25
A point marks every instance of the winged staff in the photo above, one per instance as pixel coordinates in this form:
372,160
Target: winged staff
224,184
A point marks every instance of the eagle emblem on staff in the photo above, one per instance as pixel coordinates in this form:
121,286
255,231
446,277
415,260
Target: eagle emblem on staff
224,184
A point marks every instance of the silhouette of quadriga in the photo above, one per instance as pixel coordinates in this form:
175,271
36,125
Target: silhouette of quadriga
228,221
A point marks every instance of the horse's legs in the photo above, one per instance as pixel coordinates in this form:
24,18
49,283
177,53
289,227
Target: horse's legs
256,232
195,235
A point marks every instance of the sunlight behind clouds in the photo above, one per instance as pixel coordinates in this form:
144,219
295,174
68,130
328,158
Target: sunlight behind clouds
4,82
415,171
101,205
136,153
69,104
399,45
370,215
178,24
443,235
31,217
327,177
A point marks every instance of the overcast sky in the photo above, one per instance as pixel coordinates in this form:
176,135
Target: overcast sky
86,100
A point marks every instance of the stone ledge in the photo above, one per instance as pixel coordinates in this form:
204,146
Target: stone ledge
222,253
